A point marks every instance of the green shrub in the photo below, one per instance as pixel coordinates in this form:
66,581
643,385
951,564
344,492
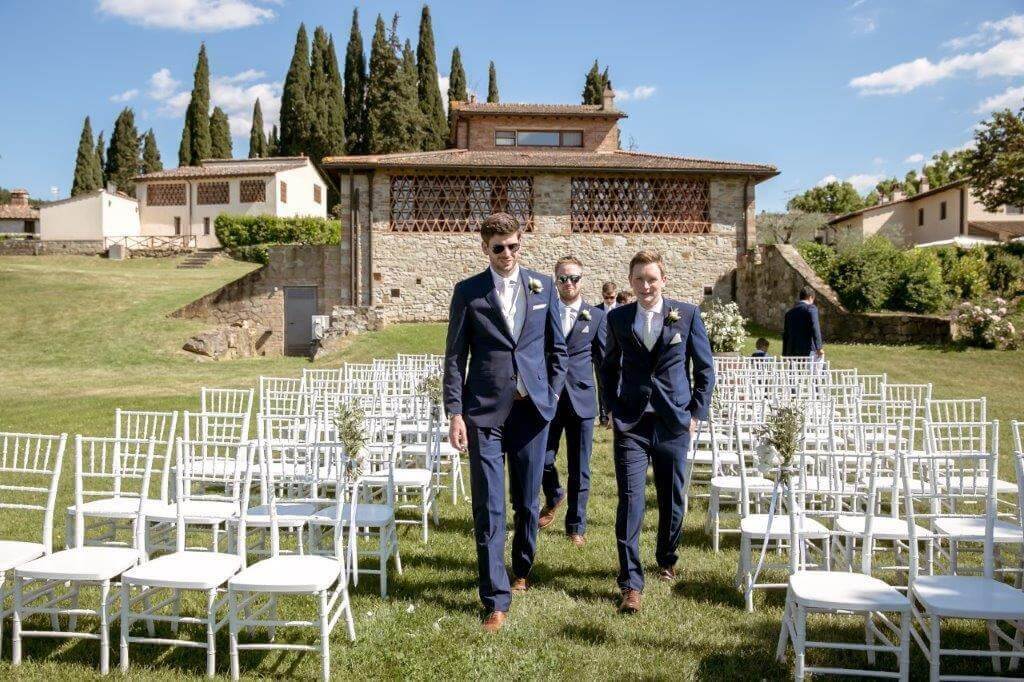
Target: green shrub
865,275
966,274
820,257
238,230
253,253
919,287
1005,272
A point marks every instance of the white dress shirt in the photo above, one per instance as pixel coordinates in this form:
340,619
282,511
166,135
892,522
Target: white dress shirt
648,323
512,299
568,312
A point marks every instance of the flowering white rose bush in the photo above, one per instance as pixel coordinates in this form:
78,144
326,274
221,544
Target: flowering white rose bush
726,326
985,325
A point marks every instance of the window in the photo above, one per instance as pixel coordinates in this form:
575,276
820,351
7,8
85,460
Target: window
505,138
206,226
572,138
1014,210
640,205
317,194
458,203
177,226
284,192
920,217
252,191
212,193
165,194
942,211
538,138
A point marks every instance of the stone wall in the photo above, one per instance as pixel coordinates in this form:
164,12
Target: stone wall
33,247
413,273
768,285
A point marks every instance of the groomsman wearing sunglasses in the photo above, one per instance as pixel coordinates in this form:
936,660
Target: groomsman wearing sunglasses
504,325
657,375
584,328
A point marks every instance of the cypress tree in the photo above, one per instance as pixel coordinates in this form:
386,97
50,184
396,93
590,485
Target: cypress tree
88,176
606,82
492,84
355,89
335,104
435,132
220,135
593,89
416,124
326,105
385,122
198,144
151,162
295,114
123,154
101,158
457,91
273,143
257,138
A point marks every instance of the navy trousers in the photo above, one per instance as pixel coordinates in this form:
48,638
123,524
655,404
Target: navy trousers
521,439
579,437
648,442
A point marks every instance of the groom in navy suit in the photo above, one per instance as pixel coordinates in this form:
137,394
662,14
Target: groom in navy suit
584,329
504,323
657,378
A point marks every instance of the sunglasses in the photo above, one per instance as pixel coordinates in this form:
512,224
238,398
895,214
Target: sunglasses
498,248
575,279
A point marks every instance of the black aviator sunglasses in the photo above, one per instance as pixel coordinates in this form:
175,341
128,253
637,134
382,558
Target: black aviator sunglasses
498,248
575,279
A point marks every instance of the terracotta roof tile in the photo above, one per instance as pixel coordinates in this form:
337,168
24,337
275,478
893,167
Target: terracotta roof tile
1012,226
514,108
887,204
15,212
216,168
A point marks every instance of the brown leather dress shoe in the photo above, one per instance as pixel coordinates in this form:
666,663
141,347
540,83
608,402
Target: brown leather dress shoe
577,539
493,622
630,601
519,586
667,574
547,514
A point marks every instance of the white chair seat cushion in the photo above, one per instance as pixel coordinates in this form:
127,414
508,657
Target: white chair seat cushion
195,511
833,590
81,563
289,514
757,525
704,457
977,484
973,528
288,574
370,515
13,553
185,570
732,483
117,507
403,477
968,596
882,527
446,449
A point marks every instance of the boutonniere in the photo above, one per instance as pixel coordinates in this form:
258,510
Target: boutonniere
535,285
673,315
585,315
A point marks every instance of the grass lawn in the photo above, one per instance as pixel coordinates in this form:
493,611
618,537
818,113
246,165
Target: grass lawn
81,336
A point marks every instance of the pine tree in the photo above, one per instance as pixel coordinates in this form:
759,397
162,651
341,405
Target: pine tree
414,120
123,154
151,162
457,91
492,84
195,137
273,143
295,113
385,124
220,135
101,158
257,138
87,177
593,86
435,133
355,89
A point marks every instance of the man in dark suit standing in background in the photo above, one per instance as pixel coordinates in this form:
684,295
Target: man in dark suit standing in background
504,324
584,328
607,304
657,376
801,333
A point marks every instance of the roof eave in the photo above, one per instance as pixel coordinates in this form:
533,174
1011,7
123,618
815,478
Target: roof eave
761,174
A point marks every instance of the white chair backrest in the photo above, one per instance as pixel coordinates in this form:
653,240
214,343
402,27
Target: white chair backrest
226,427
30,466
226,400
957,410
111,467
212,470
141,426
281,403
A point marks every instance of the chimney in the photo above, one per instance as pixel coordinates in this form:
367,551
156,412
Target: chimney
111,188
19,197
924,181
898,195
472,98
608,99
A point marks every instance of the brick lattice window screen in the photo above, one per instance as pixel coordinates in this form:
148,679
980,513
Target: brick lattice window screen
165,194
212,193
252,191
458,203
640,205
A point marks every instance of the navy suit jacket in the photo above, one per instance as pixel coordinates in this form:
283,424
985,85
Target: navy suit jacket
676,379
585,345
801,334
477,333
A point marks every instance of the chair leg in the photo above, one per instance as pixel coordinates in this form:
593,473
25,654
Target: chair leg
233,632
934,646
126,625
176,611
383,550
780,646
16,623
904,664
347,605
993,644
3,600
211,625
799,641
869,637
394,541
272,630
325,640
104,629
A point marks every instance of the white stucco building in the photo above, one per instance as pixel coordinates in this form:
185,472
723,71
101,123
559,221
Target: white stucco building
93,216
187,200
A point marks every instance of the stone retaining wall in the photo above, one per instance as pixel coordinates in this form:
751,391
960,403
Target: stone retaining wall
768,285
33,247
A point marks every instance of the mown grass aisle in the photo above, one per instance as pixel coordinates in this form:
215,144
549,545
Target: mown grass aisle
81,336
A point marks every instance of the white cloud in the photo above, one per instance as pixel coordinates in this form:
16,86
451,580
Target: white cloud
442,83
162,85
856,4
640,92
878,160
245,76
126,96
864,24
828,179
863,182
914,158
1011,98
190,15
988,32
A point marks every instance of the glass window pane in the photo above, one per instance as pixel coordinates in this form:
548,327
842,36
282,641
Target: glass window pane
572,138
538,138
505,138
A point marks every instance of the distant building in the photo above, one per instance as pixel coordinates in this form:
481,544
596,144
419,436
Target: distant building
186,201
933,215
92,216
18,216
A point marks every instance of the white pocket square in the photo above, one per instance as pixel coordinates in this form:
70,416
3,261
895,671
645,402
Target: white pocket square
585,329
675,339
540,305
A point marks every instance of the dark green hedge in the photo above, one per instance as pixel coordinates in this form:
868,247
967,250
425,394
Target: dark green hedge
238,230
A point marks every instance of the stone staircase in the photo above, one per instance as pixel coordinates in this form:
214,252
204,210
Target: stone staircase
198,259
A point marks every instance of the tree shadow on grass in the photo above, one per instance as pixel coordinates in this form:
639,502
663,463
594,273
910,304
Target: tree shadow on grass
587,633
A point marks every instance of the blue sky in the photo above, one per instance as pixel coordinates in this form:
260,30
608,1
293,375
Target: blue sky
853,89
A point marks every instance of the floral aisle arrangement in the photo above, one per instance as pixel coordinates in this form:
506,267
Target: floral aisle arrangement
726,326
779,438
350,422
985,325
432,387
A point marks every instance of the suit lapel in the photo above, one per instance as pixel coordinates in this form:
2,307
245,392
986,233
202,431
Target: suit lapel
631,321
572,329
666,328
526,302
492,298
